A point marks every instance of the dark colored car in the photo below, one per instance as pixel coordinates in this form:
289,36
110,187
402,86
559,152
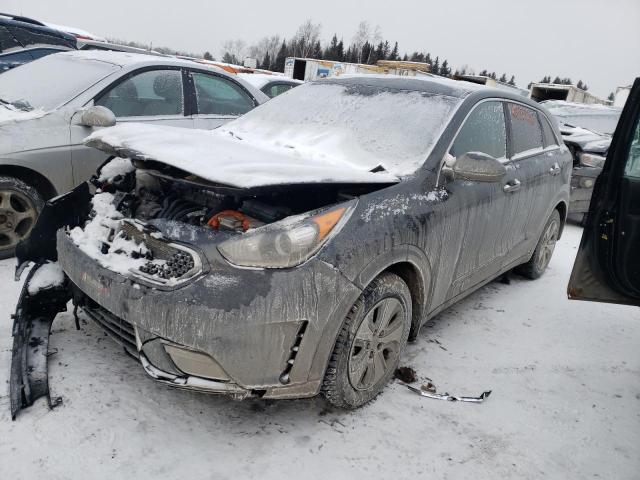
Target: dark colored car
270,85
586,129
24,39
607,267
295,250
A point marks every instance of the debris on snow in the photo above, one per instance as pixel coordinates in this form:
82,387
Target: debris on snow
49,275
405,374
429,391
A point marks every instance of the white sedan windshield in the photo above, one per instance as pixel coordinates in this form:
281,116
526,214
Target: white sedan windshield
51,81
354,124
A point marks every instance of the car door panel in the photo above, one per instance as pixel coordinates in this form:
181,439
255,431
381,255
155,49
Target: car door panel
607,267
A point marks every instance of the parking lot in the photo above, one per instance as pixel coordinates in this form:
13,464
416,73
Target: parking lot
565,402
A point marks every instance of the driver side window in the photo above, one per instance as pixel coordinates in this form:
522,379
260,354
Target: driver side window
150,93
483,131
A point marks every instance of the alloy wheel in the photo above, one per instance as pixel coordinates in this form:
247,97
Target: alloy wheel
548,244
17,217
377,344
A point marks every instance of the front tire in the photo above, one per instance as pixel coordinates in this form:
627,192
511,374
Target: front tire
541,257
20,205
368,347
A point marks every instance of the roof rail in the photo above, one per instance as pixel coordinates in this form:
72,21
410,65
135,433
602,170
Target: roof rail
18,18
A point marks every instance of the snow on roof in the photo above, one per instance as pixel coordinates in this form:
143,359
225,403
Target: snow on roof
425,83
75,31
130,58
259,80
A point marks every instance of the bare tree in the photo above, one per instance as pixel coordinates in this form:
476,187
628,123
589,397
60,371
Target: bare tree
305,39
363,35
267,45
235,49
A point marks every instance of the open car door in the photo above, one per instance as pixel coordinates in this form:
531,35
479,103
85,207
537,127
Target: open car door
607,267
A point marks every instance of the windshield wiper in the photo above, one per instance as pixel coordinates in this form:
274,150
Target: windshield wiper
19,104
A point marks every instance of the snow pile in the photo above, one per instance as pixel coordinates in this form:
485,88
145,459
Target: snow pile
9,113
49,275
96,232
117,166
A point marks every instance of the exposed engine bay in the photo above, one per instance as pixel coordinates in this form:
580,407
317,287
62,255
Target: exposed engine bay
127,208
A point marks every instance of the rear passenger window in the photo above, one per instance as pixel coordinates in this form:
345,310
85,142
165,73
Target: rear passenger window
549,137
525,129
483,131
218,96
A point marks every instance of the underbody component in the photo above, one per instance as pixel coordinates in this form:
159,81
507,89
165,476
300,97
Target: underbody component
31,326
451,398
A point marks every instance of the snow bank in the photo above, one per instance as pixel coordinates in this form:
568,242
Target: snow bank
49,275
117,166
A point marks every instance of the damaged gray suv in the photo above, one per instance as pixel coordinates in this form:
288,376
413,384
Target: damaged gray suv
295,250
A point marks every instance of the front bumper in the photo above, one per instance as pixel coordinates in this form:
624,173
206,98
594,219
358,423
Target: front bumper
582,182
271,331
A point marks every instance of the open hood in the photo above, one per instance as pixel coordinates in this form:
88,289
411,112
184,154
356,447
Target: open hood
222,157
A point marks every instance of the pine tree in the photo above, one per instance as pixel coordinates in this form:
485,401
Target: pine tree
445,70
493,75
281,57
340,51
484,73
426,58
611,97
366,54
435,68
228,58
512,80
266,62
207,56
394,53
405,58
503,78
378,54
557,80
530,85
317,51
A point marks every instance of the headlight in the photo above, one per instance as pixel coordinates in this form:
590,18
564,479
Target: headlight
286,243
591,160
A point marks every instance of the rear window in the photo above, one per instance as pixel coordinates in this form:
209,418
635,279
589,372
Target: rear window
526,132
547,131
31,37
7,42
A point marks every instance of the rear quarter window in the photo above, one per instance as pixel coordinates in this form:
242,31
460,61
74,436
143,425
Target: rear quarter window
547,131
526,133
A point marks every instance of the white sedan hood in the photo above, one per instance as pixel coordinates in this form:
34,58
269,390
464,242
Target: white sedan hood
220,156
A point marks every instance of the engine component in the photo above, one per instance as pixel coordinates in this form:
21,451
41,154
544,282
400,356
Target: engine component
233,220
264,212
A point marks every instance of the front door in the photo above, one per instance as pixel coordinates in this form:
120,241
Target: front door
607,267
148,96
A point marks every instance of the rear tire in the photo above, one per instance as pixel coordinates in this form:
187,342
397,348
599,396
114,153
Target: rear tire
535,267
20,205
370,342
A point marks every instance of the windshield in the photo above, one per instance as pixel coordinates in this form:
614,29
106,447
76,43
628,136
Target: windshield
51,81
598,118
356,124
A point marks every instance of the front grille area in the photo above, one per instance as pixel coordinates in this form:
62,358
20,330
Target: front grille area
118,329
166,262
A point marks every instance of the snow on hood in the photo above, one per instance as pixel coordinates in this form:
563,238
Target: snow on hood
9,113
222,157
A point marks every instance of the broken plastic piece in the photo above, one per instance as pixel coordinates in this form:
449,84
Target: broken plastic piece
449,398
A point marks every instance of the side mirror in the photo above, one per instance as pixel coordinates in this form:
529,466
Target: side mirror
96,116
475,166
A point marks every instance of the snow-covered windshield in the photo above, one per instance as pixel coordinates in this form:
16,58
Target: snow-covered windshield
355,124
51,81
598,118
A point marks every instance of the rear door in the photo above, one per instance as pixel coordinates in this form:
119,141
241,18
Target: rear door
529,183
607,267
217,99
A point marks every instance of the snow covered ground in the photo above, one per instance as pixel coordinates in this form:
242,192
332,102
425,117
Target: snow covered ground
565,404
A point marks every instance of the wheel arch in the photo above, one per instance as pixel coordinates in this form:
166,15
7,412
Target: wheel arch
563,210
31,178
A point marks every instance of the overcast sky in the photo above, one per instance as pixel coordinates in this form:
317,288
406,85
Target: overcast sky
596,41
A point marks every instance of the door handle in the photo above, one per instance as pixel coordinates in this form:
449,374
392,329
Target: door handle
512,186
555,170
